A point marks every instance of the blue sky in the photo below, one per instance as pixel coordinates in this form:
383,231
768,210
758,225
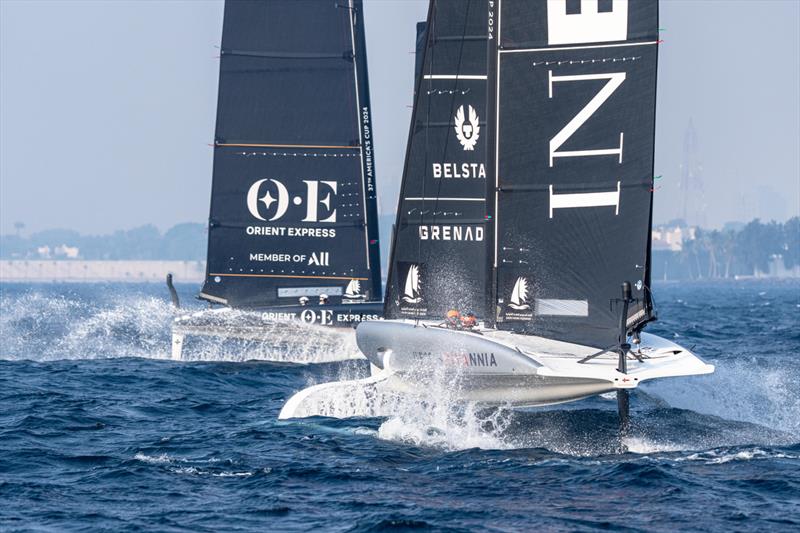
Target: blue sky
107,108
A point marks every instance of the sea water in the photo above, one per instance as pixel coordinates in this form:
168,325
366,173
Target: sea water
100,430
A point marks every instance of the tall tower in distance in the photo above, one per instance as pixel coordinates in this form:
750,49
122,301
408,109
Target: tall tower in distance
691,185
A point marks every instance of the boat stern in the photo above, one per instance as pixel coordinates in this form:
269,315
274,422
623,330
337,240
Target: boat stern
655,358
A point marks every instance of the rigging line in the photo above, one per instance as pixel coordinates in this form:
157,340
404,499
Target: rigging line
431,32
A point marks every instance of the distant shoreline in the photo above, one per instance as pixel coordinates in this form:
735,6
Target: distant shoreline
50,271
155,271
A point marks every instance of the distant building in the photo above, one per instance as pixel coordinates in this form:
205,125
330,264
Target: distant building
68,252
777,269
671,238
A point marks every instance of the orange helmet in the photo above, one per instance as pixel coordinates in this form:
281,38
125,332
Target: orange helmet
453,314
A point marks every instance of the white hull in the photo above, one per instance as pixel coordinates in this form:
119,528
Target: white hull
286,335
492,367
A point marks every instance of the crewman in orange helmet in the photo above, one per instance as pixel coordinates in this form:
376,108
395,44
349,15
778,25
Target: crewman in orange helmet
469,320
453,319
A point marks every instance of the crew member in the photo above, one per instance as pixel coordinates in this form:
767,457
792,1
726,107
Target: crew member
323,299
469,320
453,319
304,301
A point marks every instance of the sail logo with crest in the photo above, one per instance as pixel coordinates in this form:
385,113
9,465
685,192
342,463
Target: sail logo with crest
519,295
411,292
467,132
353,290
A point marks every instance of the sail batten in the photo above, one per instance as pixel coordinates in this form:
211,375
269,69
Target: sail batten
293,194
242,144
346,55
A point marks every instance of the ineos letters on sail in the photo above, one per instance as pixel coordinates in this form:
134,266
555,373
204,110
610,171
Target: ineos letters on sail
574,136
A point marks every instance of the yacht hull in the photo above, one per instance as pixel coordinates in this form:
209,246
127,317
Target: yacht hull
273,324
491,367
501,367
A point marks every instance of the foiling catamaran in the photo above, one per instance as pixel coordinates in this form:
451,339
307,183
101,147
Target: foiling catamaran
293,230
537,220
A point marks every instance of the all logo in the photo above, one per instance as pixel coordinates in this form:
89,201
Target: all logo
411,292
320,259
467,132
270,198
519,295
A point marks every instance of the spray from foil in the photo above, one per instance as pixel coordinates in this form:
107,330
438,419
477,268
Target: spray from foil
40,327
43,328
236,335
435,417
421,409
750,389
680,416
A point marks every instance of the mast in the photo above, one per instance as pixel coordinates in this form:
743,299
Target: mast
492,57
370,194
573,132
293,203
647,312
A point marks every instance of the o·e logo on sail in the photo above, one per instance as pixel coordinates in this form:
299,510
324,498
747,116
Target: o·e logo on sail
276,199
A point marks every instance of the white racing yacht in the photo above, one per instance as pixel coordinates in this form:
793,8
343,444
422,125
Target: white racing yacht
527,202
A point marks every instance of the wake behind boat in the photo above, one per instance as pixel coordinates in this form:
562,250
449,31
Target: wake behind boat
558,262
293,230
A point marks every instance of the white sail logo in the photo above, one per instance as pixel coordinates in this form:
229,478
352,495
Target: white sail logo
353,290
411,291
467,132
519,295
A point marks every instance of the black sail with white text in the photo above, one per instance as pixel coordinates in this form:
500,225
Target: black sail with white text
293,209
438,255
573,130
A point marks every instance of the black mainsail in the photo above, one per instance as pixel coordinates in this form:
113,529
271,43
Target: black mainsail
437,259
571,89
293,208
572,93
572,131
